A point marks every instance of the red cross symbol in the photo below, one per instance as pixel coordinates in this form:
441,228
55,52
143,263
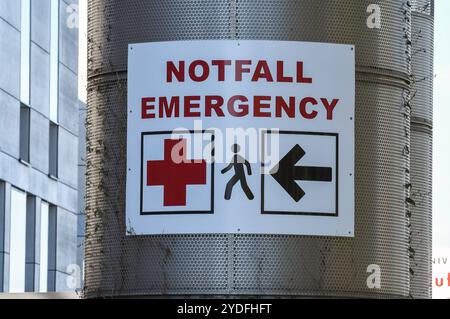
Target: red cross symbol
175,173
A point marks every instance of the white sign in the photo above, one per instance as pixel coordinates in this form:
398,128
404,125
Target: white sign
441,273
240,137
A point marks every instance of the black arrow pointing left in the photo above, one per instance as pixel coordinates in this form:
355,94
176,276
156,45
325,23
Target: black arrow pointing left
286,173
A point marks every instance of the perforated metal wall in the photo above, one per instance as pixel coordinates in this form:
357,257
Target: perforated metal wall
117,265
421,218
423,7
421,146
422,67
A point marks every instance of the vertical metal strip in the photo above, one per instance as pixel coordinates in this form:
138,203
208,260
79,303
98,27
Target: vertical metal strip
231,272
421,148
233,19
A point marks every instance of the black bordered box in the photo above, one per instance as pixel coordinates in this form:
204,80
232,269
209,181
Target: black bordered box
329,213
210,209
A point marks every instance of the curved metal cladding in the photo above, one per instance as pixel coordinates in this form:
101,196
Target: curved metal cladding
421,218
422,66
421,146
206,264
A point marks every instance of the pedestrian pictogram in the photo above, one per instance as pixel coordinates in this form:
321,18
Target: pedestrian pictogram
286,173
238,163
175,172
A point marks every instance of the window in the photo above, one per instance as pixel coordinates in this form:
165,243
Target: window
24,133
52,238
43,243
53,150
25,51
54,60
4,220
17,241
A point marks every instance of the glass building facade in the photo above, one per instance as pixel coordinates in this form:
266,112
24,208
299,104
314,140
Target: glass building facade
40,204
